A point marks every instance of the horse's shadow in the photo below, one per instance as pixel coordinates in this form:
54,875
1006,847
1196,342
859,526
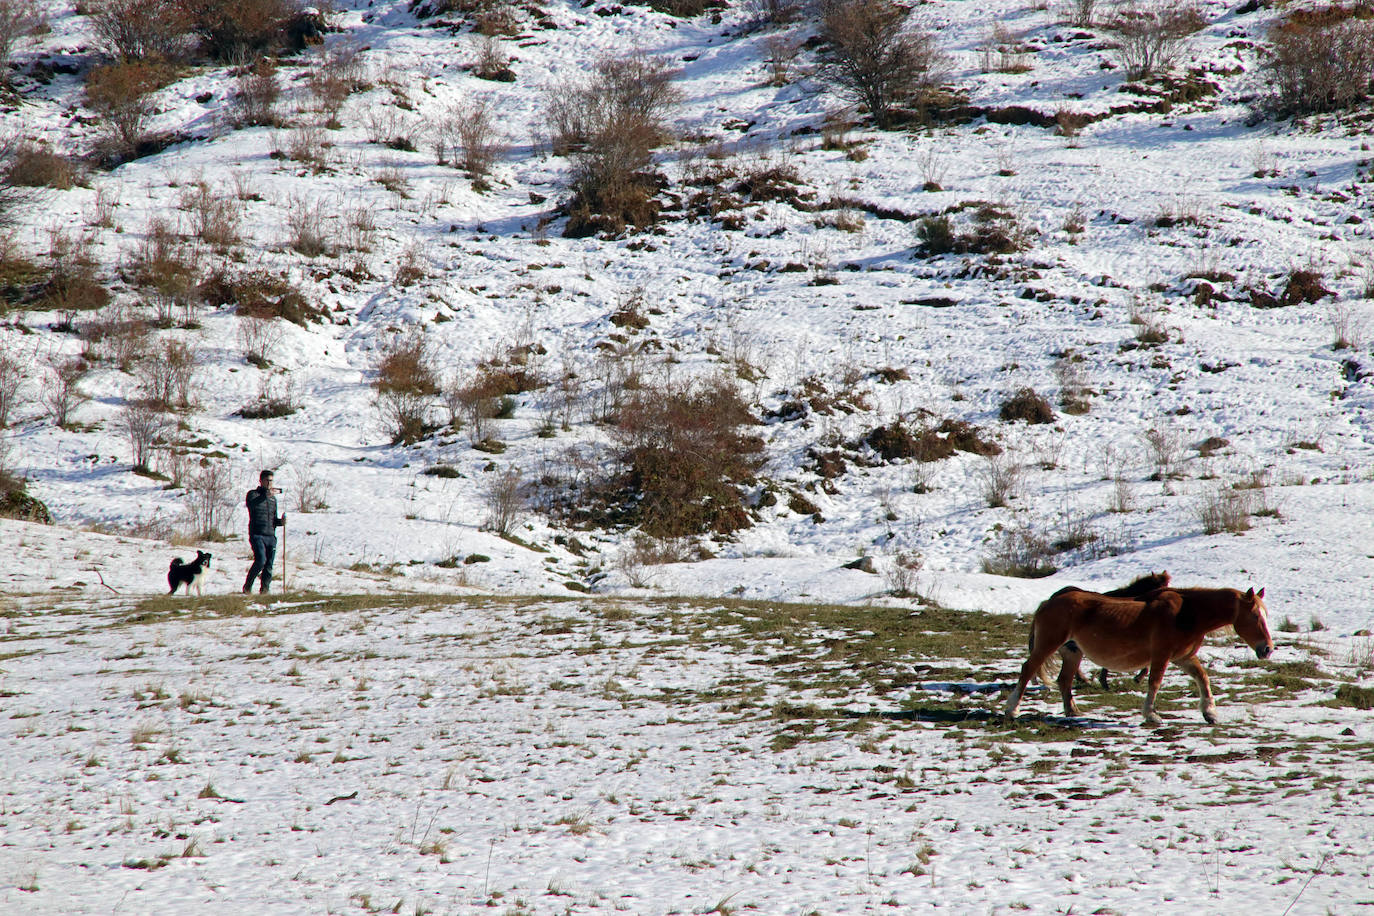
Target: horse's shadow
945,715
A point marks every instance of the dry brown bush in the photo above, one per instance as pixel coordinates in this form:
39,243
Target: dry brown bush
685,456
259,294
33,165
63,394
116,334
70,282
875,59
138,29
1151,35
120,94
244,30
406,382
19,20
1321,60
256,92
609,125
165,269
1027,405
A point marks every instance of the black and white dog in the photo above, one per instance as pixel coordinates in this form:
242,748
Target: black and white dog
188,574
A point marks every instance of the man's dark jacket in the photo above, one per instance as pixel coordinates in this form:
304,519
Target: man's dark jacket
262,513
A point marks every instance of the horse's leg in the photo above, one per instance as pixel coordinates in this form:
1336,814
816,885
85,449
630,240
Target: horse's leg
1102,680
1157,666
1041,649
1204,687
1072,656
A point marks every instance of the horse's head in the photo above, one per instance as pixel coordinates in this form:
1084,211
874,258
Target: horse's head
1252,623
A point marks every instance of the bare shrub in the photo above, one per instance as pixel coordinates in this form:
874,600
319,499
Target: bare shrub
772,13
1001,478
875,59
902,571
478,142
781,49
14,371
504,496
1027,405
144,425
138,29
165,269
308,228
209,499
70,282
1000,52
1152,35
1082,13
1020,552
1320,59
1347,327
338,73
256,92
276,397
1073,384
685,457
490,60
609,125
243,30
1225,509
258,339
115,334
15,200
167,376
121,96
1165,449
215,215
359,228
63,394
19,19
310,487
33,165
406,383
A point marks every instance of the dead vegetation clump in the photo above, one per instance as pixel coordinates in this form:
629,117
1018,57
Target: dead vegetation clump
609,126
683,463
1321,59
406,382
897,441
993,229
259,294
1027,405
1302,285
874,58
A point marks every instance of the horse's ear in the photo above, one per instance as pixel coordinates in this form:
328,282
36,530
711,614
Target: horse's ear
1260,594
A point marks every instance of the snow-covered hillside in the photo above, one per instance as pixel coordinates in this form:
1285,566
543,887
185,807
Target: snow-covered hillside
1126,220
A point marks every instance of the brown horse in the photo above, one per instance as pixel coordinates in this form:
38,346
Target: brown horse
1134,589
1168,625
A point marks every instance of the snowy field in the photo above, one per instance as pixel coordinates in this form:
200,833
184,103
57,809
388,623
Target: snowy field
486,754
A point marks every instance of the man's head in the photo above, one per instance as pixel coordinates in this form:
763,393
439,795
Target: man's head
265,479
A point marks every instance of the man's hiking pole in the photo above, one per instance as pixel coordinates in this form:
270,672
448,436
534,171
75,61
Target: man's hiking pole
283,554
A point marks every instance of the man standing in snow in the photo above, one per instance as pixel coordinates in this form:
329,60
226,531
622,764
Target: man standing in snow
262,536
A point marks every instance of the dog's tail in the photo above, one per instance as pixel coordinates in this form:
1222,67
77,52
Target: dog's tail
176,563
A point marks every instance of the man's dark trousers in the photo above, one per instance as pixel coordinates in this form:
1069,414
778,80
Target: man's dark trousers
264,552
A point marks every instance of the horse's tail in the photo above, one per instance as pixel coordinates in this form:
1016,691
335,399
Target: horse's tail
1047,671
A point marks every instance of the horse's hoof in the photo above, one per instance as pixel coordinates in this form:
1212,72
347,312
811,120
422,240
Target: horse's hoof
1210,715
1153,720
